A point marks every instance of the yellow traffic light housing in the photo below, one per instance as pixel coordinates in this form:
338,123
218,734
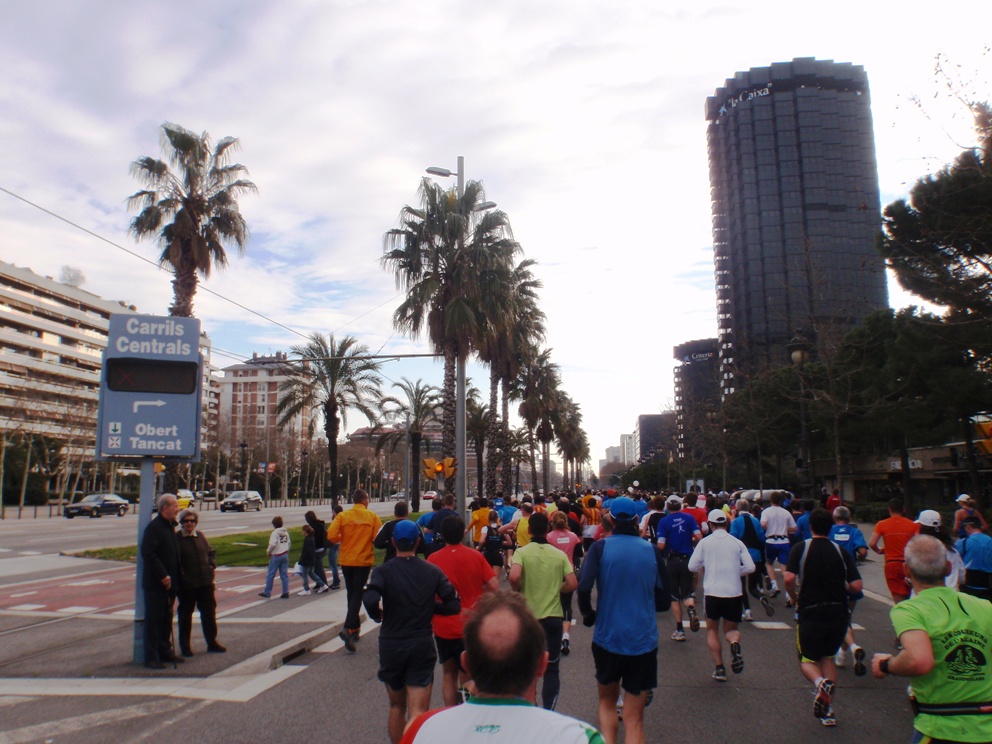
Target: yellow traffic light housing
431,468
450,467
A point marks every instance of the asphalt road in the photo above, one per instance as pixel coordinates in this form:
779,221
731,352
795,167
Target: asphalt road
58,534
335,697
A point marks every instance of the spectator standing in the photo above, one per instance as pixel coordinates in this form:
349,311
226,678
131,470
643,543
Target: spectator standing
197,563
946,640
319,545
332,550
278,553
404,595
354,530
308,562
160,581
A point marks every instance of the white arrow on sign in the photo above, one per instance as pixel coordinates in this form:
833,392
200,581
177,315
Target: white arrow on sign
139,403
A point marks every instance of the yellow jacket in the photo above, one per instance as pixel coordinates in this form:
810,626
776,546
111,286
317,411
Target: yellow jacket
354,530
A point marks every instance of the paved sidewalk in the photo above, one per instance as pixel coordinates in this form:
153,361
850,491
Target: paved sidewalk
72,652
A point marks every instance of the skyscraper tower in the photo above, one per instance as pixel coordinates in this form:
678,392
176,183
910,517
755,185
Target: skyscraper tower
796,210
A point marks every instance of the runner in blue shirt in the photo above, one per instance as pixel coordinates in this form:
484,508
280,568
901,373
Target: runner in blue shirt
677,535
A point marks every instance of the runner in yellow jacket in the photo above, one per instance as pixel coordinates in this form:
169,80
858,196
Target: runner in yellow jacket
354,530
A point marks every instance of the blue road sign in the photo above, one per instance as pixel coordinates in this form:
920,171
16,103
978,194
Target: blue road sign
150,387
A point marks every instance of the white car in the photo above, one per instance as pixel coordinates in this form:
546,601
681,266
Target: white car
399,496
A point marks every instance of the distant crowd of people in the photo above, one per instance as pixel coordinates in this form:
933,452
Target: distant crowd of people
627,557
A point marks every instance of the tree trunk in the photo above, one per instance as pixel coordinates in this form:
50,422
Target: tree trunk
969,445
493,435
907,497
27,472
415,466
332,426
533,461
449,412
507,456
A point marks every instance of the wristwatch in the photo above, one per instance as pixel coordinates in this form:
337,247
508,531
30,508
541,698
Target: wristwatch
883,665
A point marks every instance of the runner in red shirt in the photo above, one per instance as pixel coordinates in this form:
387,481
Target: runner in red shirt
894,533
471,575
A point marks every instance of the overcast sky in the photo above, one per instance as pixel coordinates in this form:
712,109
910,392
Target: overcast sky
583,119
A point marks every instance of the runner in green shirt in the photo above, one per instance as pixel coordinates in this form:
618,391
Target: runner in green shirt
946,642
541,572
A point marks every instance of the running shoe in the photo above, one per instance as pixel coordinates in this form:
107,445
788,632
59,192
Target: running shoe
693,618
769,610
859,662
840,659
767,583
348,640
747,617
303,593
463,695
720,674
565,650
737,659
774,590
678,635
824,696
828,719
323,588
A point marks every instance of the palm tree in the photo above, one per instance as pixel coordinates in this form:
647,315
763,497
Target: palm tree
421,407
477,417
514,323
537,389
193,209
330,379
443,253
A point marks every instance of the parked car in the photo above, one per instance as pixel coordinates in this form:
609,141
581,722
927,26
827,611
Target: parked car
429,495
214,494
399,496
242,501
185,498
96,505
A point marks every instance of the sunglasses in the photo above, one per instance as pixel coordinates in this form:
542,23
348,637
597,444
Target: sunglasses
190,520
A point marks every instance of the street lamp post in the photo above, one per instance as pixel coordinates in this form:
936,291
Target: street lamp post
799,353
460,449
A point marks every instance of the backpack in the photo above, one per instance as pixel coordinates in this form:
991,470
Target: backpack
750,537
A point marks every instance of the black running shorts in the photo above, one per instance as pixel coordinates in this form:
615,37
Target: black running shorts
636,674
407,663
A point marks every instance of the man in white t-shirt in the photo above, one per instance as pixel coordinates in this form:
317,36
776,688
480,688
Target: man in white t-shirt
725,559
778,524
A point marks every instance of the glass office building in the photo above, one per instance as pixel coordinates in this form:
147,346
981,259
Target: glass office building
796,209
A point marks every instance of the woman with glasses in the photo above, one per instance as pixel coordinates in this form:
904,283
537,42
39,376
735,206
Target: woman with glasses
197,561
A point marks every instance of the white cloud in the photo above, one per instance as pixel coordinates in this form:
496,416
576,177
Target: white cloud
583,119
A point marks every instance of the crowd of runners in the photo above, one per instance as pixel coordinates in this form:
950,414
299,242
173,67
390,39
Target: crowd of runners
628,556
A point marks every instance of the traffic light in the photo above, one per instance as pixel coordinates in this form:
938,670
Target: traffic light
450,467
430,468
